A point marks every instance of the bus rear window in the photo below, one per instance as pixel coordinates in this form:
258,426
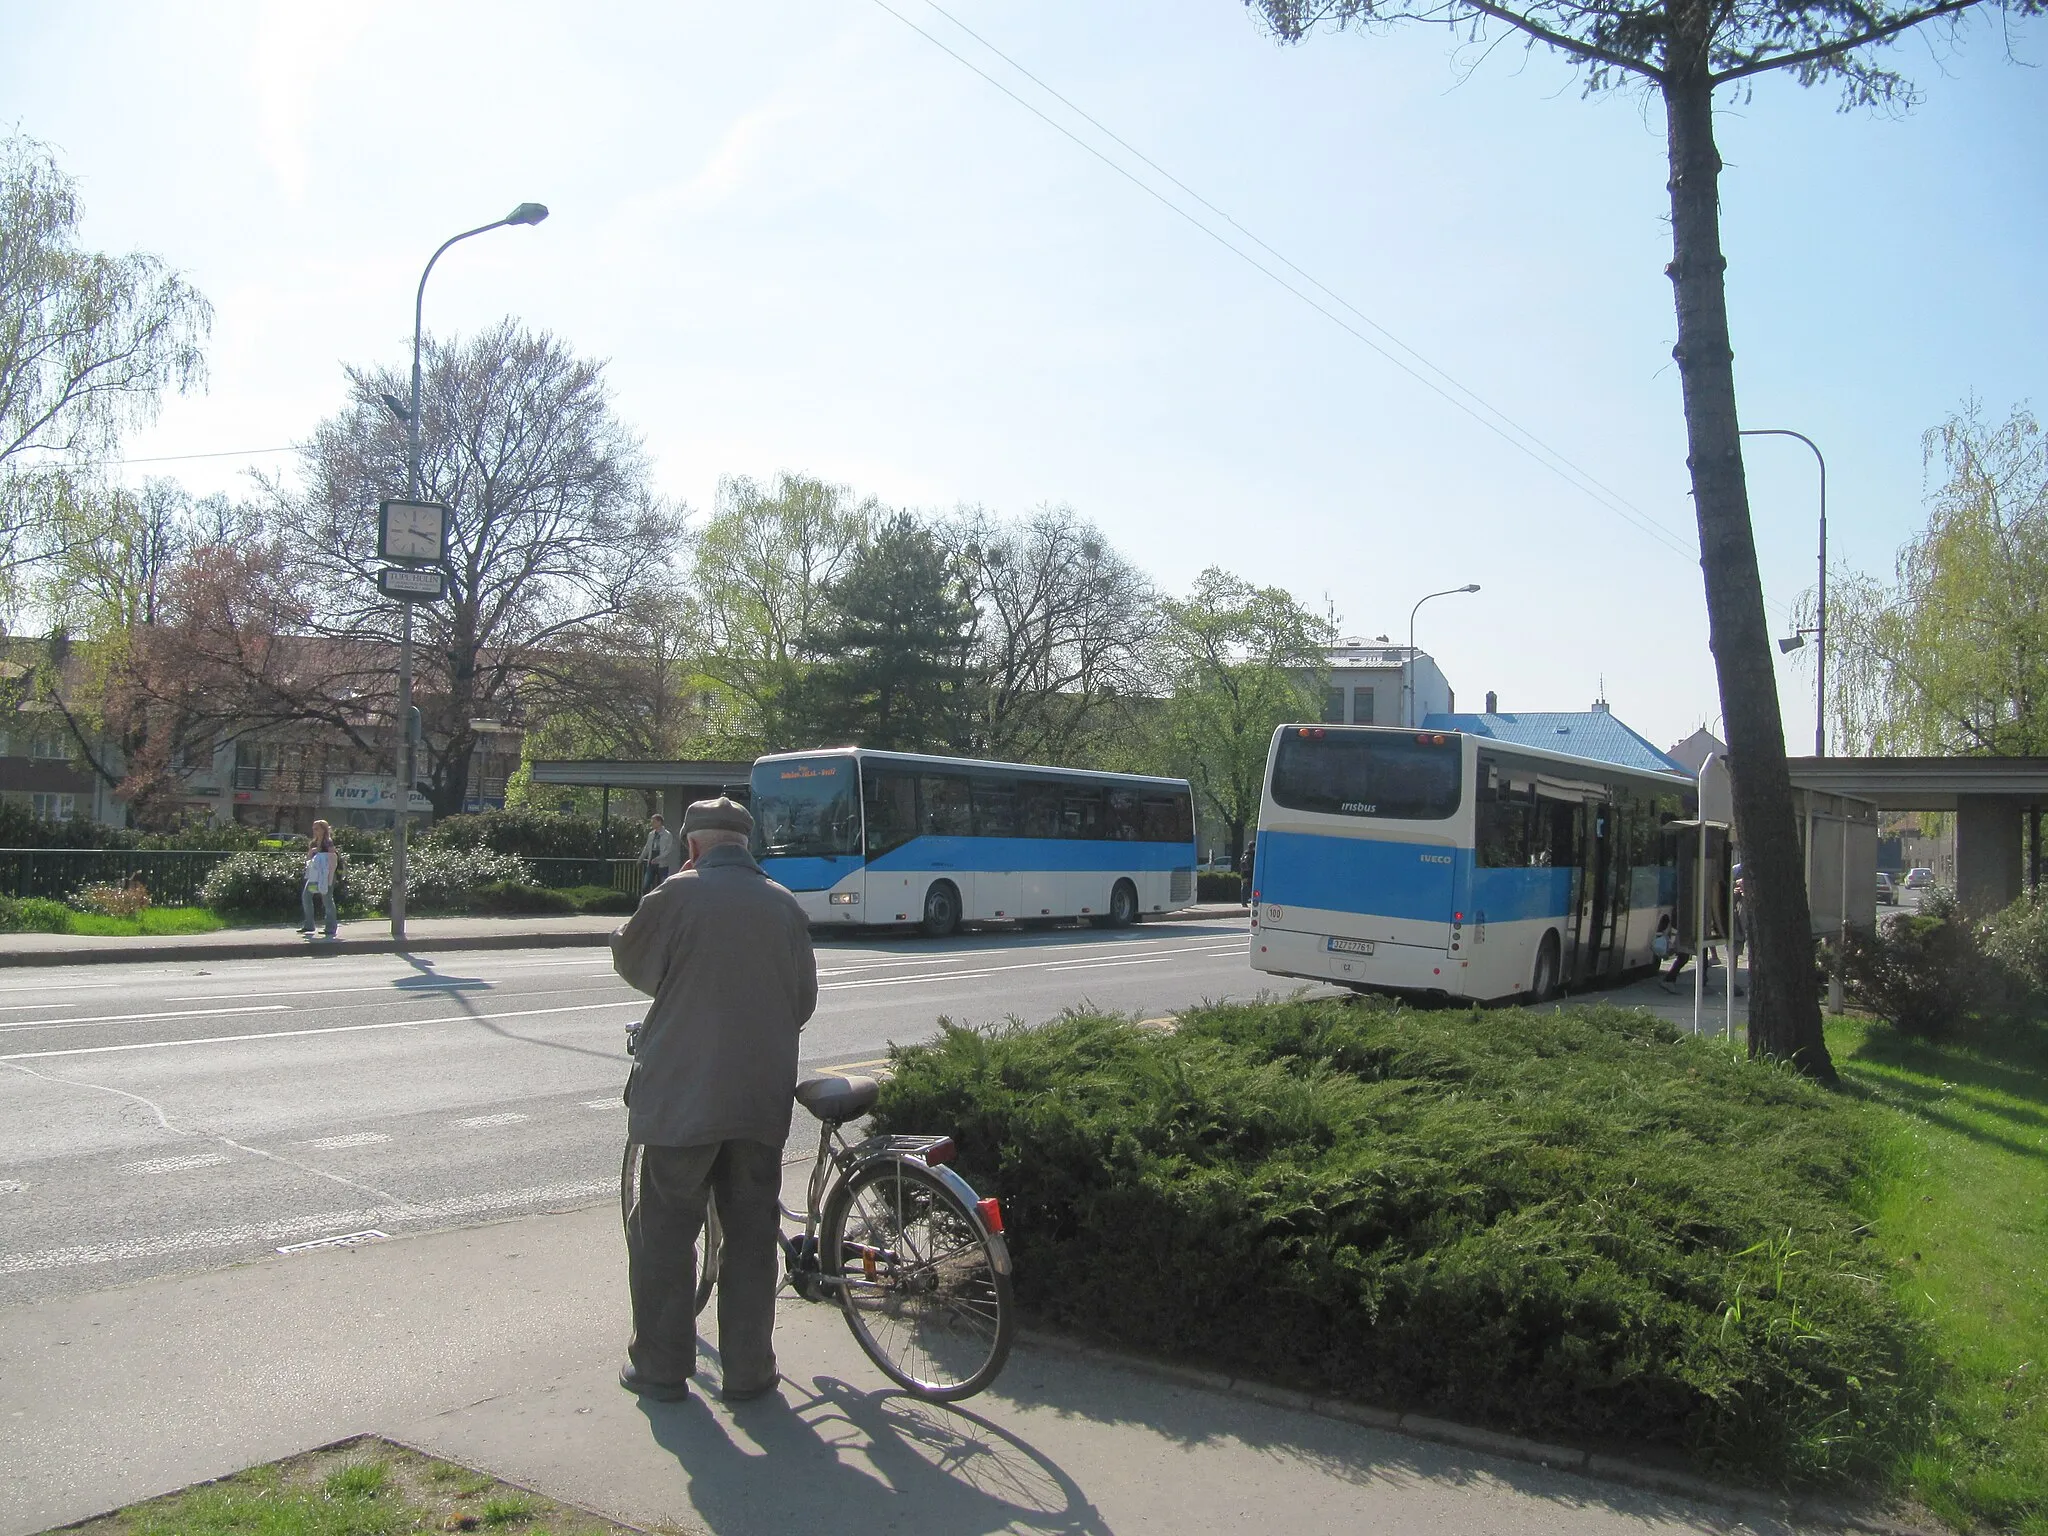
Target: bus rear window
1382,774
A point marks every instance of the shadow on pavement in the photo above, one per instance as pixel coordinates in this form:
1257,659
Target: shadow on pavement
839,1456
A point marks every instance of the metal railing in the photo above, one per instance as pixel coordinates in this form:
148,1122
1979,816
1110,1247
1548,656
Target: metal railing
173,877
560,874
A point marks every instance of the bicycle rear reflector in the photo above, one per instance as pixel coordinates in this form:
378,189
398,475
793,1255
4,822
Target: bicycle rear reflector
991,1213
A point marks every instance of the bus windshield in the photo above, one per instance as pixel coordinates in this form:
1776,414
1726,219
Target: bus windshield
1387,774
806,808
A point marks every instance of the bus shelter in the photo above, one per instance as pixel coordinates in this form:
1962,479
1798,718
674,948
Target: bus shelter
671,786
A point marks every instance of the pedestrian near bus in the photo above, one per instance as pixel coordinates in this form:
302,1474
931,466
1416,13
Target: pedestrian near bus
726,955
323,867
658,853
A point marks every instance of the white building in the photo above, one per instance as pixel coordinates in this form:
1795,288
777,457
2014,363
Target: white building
1369,680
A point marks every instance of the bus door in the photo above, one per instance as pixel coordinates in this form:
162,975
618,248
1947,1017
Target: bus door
1597,903
1561,826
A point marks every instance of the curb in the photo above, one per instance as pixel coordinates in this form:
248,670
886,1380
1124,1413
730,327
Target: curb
1591,1464
271,949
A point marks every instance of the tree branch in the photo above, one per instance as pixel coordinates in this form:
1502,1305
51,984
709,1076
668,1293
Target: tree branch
1846,45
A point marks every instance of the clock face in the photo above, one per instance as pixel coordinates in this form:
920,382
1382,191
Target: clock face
412,530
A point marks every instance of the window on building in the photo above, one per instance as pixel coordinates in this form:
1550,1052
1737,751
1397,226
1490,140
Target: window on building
52,807
1361,706
50,742
1333,706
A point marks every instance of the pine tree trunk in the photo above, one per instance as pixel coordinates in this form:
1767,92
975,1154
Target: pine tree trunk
1784,1005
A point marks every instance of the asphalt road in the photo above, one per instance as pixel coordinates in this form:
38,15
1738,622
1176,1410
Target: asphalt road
180,1117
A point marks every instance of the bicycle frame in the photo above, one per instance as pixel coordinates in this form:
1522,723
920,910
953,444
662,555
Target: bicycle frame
838,1161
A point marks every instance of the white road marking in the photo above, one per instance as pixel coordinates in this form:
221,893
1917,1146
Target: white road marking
1033,965
132,1018
1103,965
330,1029
264,1234
177,1164
11,1186
392,987
337,1143
604,1104
339,1240
478,1122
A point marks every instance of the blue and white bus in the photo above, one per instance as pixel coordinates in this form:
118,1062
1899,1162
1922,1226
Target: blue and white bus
885,838
1449,863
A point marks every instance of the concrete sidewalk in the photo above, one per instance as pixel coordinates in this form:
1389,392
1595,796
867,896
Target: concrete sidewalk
498,1346
372,936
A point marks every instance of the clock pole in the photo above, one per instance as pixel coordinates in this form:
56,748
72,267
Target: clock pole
525,213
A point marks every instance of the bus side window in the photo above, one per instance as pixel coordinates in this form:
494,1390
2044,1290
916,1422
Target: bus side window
1038,808
1560,831
892,809
943,800
995,806
1162,820
1502,832
1082,814
1125,815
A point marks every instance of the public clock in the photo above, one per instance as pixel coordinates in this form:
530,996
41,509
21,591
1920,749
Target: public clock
415,531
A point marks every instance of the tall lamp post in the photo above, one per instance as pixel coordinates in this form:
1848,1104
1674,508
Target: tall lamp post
525,213
1819,631
1447,592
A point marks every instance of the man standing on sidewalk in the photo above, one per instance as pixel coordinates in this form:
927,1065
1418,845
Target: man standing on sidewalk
726,955
658,853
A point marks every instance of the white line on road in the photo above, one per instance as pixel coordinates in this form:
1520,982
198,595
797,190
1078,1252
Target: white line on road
1103,965
604,1103
131,1018
177,1164
264,1234
397,991
330,1029
1033,965
337,1143
478,1122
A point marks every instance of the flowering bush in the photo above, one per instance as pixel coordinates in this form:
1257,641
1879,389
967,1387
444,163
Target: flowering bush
441,877
111,900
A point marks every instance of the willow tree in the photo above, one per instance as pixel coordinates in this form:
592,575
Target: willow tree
1684,51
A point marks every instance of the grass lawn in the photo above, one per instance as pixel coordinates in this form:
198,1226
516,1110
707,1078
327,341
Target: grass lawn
39,915
1960,1205
366,1487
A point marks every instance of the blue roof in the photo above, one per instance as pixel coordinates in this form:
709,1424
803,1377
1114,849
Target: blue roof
1590,733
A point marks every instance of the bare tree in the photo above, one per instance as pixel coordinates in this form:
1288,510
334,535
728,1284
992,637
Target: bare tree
551,516
1684,51
1065,635
88,344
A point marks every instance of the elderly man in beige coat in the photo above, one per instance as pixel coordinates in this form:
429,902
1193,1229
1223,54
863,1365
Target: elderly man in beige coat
726,955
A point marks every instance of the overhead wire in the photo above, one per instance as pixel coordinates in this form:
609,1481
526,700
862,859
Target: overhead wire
1450,390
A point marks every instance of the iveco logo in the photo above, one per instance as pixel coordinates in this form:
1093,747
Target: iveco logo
1436,858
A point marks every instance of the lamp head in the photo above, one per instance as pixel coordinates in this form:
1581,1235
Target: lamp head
1791,643
397,407
527,213
1474,587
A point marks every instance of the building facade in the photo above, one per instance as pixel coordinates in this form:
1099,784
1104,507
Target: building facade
1368,682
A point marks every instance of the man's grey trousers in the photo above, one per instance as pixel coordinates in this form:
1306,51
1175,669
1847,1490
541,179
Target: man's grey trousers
676,1183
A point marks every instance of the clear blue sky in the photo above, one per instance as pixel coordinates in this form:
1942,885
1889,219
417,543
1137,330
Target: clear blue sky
808,239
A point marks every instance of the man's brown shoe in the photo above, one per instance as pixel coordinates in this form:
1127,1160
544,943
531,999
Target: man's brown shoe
661,1391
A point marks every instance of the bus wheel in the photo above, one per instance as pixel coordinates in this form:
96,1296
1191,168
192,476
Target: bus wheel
1123,905
941,910
1543,985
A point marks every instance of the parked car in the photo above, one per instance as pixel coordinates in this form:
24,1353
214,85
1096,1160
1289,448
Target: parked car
1885,894
1919,879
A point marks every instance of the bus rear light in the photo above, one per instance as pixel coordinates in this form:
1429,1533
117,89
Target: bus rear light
991,1213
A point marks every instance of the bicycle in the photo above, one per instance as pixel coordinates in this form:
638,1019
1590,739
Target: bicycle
915,1258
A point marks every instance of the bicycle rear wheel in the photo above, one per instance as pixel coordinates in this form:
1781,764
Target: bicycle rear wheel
710,1237
918,1280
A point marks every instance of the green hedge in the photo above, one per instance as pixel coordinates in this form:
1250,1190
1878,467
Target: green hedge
537,835
1573,1225
1219,885
268,885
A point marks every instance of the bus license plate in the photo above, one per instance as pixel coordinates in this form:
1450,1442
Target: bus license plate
1351,946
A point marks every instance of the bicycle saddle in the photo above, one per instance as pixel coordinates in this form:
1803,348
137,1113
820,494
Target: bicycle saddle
835,1099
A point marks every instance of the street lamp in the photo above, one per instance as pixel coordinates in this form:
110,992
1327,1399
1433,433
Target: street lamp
1819,631
1409,679
525,213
